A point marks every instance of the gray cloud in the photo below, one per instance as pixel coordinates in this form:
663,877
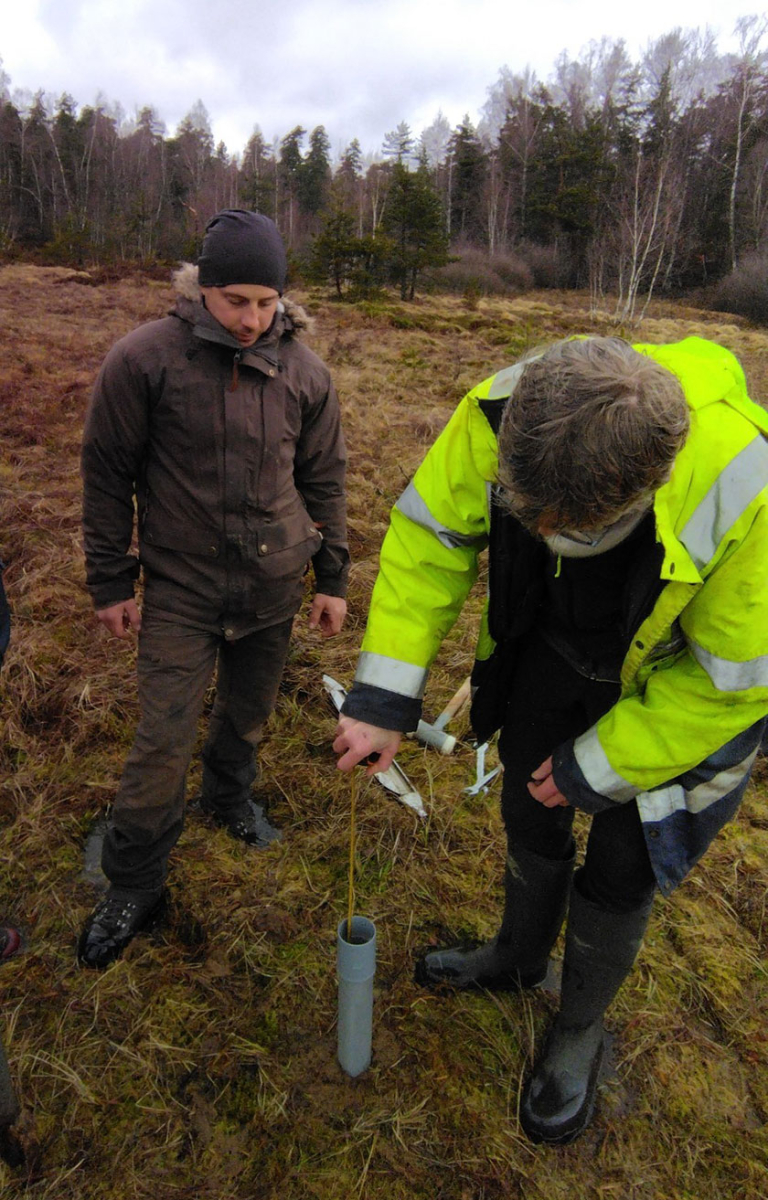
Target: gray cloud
356,66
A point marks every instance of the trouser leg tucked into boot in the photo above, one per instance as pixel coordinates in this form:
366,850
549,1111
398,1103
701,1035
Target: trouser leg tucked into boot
535,894
600,949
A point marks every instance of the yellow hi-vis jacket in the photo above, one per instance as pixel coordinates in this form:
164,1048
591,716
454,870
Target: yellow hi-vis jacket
684,698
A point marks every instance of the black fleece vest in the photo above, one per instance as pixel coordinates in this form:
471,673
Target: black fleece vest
588,614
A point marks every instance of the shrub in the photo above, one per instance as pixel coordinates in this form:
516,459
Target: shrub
474,272
547,264
745,290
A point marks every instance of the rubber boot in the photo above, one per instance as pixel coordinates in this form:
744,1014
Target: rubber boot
535,890
600,949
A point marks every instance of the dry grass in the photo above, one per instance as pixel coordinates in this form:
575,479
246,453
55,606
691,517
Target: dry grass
203,1064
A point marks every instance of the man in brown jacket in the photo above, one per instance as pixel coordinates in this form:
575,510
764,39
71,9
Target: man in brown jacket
223,429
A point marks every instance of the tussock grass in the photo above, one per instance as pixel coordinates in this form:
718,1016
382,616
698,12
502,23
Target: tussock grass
202,1065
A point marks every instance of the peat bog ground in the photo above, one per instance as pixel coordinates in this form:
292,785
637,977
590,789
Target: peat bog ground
202,1065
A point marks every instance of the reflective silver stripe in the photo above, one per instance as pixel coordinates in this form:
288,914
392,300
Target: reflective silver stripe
658,805
597,771
505,382
714,789
732,492
411,505
730,676
391,674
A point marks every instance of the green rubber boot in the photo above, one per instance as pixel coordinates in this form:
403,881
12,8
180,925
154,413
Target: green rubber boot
600,949
535,891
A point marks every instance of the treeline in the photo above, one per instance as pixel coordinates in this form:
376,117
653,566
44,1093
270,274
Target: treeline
625,177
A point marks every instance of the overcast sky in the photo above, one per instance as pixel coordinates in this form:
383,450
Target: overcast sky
356,66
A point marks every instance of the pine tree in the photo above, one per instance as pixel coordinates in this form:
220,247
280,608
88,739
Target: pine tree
289,170
468,168
348,185
398,143
334,253
257,175
314,176
413,219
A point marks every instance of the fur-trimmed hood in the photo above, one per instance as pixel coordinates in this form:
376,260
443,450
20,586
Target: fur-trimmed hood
187,287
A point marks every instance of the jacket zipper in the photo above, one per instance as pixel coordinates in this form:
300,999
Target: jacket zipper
235,372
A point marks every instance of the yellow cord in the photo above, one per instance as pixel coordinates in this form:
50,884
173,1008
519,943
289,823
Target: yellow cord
351,904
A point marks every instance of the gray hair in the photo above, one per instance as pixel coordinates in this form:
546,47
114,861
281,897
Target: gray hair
592,427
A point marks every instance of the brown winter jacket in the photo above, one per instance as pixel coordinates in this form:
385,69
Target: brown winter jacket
236,462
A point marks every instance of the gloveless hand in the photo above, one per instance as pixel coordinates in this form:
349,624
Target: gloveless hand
543,787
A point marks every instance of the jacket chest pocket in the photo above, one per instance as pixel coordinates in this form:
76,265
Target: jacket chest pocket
664,653
187,422
269,447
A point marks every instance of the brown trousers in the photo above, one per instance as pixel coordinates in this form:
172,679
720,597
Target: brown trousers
175,666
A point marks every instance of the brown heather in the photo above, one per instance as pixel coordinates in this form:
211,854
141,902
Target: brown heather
202,1066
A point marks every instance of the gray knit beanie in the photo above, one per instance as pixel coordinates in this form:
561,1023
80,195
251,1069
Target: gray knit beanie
242,247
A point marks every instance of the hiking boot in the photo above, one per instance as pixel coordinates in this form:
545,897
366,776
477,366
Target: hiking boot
535,891
248,823
115,922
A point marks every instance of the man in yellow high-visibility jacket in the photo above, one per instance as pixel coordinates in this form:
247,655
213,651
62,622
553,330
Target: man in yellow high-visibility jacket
623,494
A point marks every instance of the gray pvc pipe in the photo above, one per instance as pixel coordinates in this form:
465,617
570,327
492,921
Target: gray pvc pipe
356,966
